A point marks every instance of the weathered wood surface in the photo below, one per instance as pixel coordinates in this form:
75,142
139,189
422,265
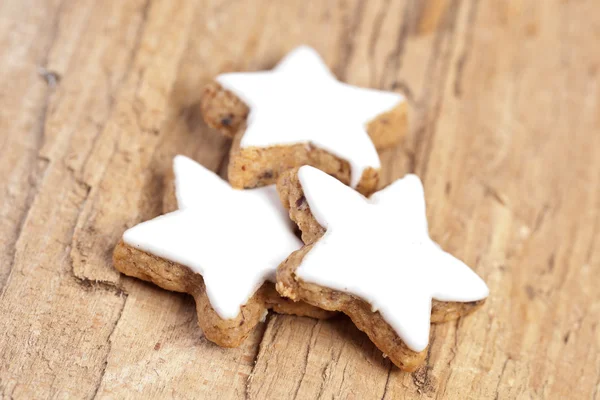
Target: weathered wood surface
97,96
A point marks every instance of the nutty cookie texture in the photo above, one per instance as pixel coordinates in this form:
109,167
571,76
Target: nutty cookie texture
373,260
299,114
208,247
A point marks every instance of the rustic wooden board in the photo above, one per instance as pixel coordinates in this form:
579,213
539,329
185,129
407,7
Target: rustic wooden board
97,96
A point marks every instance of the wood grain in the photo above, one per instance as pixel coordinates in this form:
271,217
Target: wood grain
97,96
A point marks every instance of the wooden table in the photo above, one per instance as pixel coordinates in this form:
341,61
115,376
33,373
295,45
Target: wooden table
97,96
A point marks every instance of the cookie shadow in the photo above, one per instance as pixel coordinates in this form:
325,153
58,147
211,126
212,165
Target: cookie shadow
342,326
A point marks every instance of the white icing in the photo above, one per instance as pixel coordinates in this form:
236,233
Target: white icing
234,238
300,101
379,250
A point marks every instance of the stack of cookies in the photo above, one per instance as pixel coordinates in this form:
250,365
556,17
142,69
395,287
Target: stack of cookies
304,155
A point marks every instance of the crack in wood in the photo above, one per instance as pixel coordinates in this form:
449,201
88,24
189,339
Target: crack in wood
36,178
109,350
595,232
495,194
378,22
51,40
41,163
343,378
454,351
259,345
434,90
394,59
83,281
540,218
464,57
324,378
455,347
347,44
309,348
387,380
500,378
52,78
144,10
113,89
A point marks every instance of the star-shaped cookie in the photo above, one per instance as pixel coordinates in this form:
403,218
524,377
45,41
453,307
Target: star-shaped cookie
299,114
373,259
222,246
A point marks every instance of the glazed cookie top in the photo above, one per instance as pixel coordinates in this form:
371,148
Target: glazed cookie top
379,250
234,238
300,101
